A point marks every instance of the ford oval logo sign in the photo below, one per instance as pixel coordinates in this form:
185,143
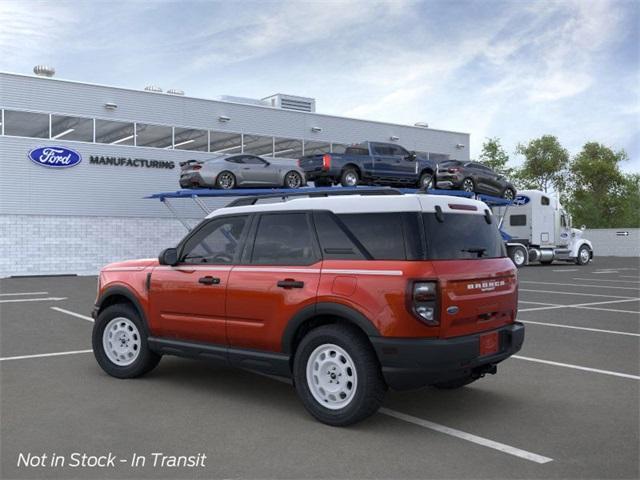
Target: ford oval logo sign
521,200
55,157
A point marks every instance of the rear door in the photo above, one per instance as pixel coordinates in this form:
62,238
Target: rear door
278,276
188,300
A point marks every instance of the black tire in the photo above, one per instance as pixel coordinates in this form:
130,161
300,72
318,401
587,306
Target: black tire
518,260
508,194
293,179
582,258
349,177
226,180
468,185
322,182
146,360
453,384
370,385
426,181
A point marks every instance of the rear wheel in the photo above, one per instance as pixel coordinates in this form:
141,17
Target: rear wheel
457,383
337,375
120,343
293,179
584,255
226,180
349,178
468,185
426,181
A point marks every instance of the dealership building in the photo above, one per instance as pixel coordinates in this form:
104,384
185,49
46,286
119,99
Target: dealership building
126,145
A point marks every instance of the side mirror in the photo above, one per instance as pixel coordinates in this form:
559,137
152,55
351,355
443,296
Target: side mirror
169,256
583,228
412,156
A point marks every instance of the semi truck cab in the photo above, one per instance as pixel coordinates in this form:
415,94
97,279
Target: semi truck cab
539,229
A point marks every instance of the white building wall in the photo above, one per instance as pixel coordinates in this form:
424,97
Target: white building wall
611,242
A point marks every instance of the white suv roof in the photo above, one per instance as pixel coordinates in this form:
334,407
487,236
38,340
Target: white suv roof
365,204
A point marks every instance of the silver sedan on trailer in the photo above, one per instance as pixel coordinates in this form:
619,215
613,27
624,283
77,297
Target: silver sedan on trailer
241,170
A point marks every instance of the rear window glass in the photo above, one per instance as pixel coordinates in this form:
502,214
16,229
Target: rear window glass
381,234
462,236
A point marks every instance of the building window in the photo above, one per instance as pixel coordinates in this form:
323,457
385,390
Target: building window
287,148
71,128
315,148
157,136
190,139
26,124
225,142
114,133
338,147
258,145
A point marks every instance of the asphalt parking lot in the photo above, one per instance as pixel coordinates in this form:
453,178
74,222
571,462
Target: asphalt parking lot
565,407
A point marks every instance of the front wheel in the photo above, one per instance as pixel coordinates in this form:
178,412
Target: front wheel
226,180
337,375
349,178
518,256
509,194
584,255
119,343
426,181
293,179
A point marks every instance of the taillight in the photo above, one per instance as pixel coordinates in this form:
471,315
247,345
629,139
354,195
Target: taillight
424,296
196,167
326,161
299,162
453,170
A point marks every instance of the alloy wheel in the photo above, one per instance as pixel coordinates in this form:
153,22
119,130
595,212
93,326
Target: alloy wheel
293,180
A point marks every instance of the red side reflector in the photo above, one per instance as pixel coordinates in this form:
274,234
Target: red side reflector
458,206
489,343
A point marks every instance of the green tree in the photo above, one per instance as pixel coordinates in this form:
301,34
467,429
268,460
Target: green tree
545,164
600,195
494,156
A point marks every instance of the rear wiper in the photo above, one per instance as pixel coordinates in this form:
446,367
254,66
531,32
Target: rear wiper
480,251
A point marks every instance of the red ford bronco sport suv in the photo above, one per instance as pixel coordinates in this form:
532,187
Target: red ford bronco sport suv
348,295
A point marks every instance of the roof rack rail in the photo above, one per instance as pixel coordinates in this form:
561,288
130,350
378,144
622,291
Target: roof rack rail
329,192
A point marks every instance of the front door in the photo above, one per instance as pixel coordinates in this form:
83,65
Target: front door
188,300
278,277
257,171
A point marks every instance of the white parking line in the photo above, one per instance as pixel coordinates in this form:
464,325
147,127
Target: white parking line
605,272
48,299
23,293
443,429
633,312
541,303
597,330
578,367
575,293
469,437
73,314
605,280
567,270
628,276
588,306
582,285
40,355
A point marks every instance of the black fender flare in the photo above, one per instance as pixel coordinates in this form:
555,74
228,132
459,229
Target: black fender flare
325,308
119,290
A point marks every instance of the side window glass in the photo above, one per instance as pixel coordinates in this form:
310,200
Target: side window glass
380,234
518,220
235,160
335,242
544,201
251,160
283,239
216,243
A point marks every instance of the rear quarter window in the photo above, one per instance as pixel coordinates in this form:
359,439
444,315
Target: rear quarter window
462,236
381,234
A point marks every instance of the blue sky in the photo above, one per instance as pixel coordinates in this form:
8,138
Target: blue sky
515,69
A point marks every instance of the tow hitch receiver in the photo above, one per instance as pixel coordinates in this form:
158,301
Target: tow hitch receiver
480,372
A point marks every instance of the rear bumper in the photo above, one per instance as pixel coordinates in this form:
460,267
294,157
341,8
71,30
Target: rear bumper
413,363
190,180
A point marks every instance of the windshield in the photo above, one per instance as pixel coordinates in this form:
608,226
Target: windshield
457,236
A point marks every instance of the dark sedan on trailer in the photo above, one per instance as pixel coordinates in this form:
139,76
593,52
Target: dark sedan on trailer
241,170
473,177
